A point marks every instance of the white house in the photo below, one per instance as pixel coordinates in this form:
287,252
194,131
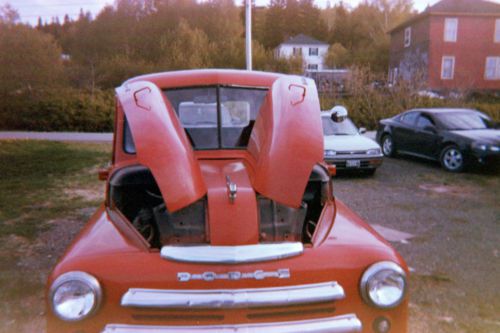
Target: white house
312,51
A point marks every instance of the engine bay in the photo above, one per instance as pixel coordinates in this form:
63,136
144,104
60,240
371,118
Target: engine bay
134,192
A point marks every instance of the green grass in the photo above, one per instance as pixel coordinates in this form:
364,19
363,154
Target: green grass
40,182
34,177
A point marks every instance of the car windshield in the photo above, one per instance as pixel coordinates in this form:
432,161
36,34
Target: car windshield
345,127
463,121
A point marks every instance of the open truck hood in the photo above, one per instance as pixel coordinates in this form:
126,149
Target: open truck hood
161,144
286,142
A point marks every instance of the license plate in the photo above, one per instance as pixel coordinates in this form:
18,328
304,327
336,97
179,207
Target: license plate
353,163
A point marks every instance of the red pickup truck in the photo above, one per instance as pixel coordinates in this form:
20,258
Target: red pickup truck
220,216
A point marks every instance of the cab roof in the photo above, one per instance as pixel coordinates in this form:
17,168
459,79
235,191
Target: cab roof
201,77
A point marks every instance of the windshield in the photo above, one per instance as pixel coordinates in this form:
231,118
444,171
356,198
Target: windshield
463,121
203,110
345,127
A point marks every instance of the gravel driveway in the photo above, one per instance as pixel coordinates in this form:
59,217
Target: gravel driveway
454,254
454,246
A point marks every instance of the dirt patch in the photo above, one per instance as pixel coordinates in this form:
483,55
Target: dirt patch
23,304
461,191
85,194
455,278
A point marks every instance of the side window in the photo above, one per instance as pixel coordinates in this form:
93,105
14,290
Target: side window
447,67
492,68
450,29
497,31
407,40
409,118
424,121
128,140
313,51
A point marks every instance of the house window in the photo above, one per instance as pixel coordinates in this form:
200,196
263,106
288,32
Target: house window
395,72
497,31
297,51
450,29
313,51
407,36
492,69
312,66
447,68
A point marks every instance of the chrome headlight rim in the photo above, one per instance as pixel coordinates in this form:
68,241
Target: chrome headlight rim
81,277
374,270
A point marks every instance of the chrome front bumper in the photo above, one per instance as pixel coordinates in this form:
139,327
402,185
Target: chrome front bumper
340,324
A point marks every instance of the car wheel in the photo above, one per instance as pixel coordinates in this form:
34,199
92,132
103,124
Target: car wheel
388,146
452,159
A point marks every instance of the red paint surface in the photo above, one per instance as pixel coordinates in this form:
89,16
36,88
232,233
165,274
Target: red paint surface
277,165
161,144
287,140
230,223
348,250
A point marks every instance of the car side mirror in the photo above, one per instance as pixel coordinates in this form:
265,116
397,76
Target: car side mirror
362,130
339,113
103,174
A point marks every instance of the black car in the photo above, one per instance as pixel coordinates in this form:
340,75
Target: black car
454,137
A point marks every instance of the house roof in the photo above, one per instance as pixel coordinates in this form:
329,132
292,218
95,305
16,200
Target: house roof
476,7
302,39
465,6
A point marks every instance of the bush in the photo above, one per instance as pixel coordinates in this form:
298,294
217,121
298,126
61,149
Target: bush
58,110
368,103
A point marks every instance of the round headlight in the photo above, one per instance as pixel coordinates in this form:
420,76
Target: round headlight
383,285
75,295
330,153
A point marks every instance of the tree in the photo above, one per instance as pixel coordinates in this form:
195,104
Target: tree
115,70
30,60
363,30
337,57
187,48
274,24
8,15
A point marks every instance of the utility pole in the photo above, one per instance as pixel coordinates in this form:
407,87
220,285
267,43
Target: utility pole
248,33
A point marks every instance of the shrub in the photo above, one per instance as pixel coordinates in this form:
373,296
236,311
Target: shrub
58,110
368,103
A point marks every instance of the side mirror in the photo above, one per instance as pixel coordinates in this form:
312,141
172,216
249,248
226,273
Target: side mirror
362,130
339,113
103,174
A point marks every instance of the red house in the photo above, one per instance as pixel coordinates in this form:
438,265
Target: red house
451,46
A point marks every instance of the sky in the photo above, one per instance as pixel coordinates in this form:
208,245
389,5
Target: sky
30,10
